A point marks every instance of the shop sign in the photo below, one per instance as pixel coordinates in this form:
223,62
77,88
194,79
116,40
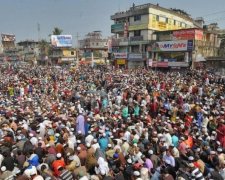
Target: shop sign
67,59
159,64
182,45
120,61
138,27
135,56
178,64
120,55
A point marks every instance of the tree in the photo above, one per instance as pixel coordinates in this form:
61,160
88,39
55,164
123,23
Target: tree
57,31
44,47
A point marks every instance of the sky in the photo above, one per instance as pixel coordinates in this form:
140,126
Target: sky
21,17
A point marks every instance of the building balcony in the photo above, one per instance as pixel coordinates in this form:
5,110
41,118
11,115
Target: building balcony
136,38
115,28
120,42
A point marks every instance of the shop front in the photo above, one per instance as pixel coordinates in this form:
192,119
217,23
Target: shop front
120,60
136,60
177,54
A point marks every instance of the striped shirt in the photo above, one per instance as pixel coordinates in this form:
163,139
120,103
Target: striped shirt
66,175
197,175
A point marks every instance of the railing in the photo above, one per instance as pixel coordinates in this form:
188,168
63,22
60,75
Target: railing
136,38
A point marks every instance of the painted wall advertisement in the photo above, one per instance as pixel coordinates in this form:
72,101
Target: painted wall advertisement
182,45
61,40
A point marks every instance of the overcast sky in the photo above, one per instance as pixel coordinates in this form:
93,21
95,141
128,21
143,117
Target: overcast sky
20,17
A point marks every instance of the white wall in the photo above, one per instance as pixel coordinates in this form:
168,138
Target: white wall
144,20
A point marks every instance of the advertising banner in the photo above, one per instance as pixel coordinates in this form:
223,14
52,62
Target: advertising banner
120,55
160,64
182,45
188,34
61,40
8,37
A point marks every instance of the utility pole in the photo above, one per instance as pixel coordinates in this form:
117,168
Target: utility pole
77,51
77,37
39,29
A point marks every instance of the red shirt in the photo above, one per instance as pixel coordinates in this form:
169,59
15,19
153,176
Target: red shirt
56,164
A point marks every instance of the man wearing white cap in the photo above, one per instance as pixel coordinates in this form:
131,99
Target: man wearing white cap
80,123
89,138
59,162
103,142
33,139
5,174
95,144
125,146
71,140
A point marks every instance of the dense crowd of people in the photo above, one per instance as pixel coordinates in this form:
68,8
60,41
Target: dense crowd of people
105,123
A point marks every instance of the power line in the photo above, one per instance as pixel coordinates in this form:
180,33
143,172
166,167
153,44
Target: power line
214,13
217,19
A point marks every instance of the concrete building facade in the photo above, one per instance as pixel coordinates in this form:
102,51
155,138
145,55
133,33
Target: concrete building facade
134,30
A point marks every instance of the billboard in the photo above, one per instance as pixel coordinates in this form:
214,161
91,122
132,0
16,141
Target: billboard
8,37
187,34
182,45
61,40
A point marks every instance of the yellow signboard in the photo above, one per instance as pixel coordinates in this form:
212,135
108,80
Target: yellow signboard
138,27
162,25
69,53
120,61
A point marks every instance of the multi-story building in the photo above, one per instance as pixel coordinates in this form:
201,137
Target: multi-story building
94,46
135,29
184,47
29,50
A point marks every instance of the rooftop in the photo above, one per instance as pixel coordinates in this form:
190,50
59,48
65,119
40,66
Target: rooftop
134,9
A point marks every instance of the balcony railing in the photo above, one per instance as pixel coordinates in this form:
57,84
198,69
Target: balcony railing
137,38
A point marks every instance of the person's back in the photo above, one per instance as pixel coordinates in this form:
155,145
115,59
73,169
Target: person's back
119,176
56,164
7,175
65,174
39,151
8,162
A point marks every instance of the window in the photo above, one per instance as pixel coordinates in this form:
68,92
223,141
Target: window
174,22
137,33
72,53
137,17
167,20
157,17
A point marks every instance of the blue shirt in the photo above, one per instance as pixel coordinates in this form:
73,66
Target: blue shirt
175,140
103,143
34,160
